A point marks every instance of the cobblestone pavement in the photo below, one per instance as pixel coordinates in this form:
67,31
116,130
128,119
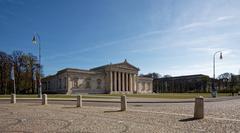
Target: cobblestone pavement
31,117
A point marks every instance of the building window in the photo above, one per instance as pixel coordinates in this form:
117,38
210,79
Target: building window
60,83
143,86
65,82
99,82
48,85
88,85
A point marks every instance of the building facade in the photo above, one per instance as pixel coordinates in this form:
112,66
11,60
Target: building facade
112,78
189,83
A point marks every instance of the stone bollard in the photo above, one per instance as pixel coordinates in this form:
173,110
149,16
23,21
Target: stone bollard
199,108
13,98
44,99
79,101
123,103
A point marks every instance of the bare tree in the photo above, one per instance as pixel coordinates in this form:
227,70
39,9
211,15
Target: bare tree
24,66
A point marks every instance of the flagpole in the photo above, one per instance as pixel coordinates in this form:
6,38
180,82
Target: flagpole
36,39
13,78
14,86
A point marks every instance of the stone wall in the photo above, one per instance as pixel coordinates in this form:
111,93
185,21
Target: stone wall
144,85
86,83
75,83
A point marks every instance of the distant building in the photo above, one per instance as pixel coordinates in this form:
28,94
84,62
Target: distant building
189,83
112,78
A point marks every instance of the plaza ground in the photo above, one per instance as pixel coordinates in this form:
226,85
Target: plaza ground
31,116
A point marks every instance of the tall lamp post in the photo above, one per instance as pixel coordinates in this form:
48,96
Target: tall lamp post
36,40
214,90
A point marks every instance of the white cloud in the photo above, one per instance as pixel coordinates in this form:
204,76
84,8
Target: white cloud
225,51
223,18
194,25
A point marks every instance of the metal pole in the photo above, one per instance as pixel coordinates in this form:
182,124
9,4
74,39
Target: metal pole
39,69
214,90
213,82
14,87
14,84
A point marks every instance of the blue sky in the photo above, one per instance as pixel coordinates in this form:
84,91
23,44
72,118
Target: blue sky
176,37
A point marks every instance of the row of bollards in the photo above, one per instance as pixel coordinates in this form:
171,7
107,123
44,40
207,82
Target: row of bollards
198,108
79,101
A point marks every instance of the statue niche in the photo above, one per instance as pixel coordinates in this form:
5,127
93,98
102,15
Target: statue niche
99,82
88,85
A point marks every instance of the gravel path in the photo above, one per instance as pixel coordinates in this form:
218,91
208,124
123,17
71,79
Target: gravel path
172,117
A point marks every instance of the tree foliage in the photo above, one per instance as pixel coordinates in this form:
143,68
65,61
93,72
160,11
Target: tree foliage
167,76
230,82
24,67
153,75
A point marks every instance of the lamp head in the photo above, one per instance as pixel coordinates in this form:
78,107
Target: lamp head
34,41
221,57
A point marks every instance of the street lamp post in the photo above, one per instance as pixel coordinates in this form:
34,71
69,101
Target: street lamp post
214,90
36,40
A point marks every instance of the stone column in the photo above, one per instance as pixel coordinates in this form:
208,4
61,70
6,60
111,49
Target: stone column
115,81
110,82
119,81
127,89
123,82
134,83
130,82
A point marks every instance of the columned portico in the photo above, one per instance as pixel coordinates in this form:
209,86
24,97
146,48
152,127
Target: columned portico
122,82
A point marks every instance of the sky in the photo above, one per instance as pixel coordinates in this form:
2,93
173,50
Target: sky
175,37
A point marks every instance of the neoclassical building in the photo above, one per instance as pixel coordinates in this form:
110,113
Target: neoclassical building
112,78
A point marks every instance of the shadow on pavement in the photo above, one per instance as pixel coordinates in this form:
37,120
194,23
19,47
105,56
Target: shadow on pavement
72,107
112,111
188,119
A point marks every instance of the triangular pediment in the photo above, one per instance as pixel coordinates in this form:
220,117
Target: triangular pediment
125,65
122,65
